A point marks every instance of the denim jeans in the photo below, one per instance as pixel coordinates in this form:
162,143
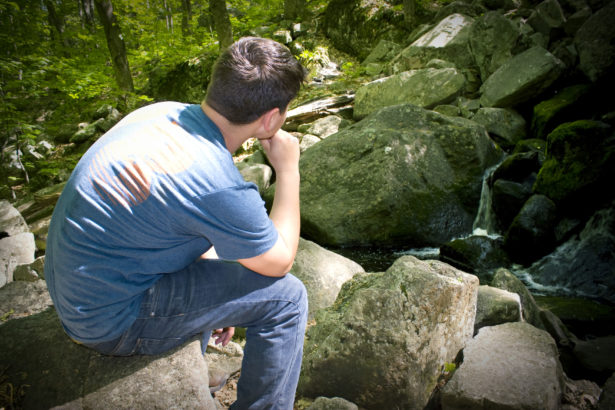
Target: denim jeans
213,294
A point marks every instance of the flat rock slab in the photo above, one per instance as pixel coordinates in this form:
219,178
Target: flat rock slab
509,366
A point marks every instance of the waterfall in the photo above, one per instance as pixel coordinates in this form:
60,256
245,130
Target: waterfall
484,223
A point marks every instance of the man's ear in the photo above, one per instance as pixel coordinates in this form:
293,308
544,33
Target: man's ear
269,119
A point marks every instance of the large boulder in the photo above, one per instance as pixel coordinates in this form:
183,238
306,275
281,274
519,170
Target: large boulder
425,88
495,306
50,370
323,273
504,279
506,126
585,264
401,175
509,366
448,41
579,165
531,234
493,39
384,342
568,104
595,41
521,78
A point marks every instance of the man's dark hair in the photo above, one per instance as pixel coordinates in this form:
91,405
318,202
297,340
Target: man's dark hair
251,77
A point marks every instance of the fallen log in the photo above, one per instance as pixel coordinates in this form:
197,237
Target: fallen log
316,109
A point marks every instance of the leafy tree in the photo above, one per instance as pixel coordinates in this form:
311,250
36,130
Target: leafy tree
115,42
222,22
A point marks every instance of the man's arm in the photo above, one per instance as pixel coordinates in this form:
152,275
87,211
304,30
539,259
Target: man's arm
283,152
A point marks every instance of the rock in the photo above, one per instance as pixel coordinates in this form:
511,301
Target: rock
222,362
384,341
19,299
325,126
595,41
15,250
474,9
260,174
530,312
448,40
518,167
496,306
509,366
531,234
30,272
507,198
54,372
521,78
475,254
567,104
596,356
585,264
323,273
580,394
493,38
607,399
355,27
11,221
547,17
580,162
425,88
372,183
506,126
335,403
307,141
86,132
384,52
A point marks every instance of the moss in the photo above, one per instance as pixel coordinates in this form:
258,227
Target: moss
548,112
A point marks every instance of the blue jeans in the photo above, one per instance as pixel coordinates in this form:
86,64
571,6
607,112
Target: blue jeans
213,294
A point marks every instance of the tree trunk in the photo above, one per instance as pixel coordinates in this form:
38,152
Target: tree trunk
294,9
186,17
55,21
86,12
222,22
409,11
115,42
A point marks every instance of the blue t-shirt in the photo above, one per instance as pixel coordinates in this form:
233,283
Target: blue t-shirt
148,198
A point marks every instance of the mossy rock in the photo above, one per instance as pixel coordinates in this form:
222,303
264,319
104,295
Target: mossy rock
579,163
550,112
581,316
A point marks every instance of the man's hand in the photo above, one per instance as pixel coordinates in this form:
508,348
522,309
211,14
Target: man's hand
223,335
282,149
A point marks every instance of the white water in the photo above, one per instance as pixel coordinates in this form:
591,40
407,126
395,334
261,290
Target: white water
484,223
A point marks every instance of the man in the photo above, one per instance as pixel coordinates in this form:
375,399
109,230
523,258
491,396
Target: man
126,262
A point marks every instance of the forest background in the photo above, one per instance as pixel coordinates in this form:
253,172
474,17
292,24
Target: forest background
60,60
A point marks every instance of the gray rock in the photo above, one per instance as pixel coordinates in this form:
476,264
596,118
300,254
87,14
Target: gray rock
54,372
335,403
531,235
11,221
547,17
307,141
425,88
530,312
384,51
15,250
595,41
585,264
507,198
375,184
222,362
477,254
510,366
607,399
384,341
323,273
493,38
522,77
448,41
325,126
496,306
19,299
504,124
260,174
30,272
